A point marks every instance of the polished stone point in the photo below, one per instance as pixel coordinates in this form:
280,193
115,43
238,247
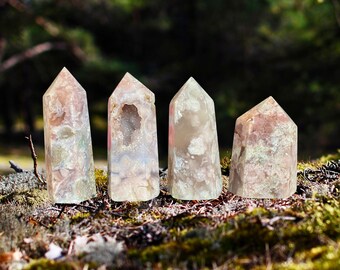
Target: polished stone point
194,171
68,147
264,155
132,142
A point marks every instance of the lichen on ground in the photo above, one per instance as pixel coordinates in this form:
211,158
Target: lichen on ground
300,232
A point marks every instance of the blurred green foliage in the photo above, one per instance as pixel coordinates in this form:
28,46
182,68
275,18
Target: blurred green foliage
239,51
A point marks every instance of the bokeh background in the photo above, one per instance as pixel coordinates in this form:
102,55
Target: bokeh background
240,51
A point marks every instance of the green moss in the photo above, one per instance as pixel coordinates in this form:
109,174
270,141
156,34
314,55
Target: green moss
79,217
301,166
329,157
187,221
101,180
315,164
321,257
225,165
131,221
303,234
193,251
236,241
322,219
43,264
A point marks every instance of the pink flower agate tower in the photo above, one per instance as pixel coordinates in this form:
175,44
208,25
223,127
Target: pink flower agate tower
132,142
264,156
194,171
68,147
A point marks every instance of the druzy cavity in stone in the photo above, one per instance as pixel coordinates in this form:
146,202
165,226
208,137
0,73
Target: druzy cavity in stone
194,171
68,147
264,155
132,142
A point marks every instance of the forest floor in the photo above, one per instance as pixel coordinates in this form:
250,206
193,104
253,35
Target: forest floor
300,232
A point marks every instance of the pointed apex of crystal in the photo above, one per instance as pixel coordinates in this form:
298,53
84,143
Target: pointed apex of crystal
130,84
270,98
264,155
65,82
64,69
192,82
267,107
191,97
127,78
191,85
266,104
65,74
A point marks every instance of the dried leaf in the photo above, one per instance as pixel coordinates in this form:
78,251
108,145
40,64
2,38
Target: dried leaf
7,257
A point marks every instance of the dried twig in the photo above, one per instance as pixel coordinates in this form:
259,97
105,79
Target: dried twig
86,206
61,211
75,205
34,157
15,167
326,173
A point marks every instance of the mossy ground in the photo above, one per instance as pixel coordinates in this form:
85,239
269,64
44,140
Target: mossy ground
301,232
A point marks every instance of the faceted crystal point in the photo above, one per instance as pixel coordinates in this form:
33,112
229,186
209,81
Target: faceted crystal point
194,171
264,155
68,147
132,142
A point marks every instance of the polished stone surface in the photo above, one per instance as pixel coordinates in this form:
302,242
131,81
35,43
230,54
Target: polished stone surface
264,155
68,147
194,171
132,142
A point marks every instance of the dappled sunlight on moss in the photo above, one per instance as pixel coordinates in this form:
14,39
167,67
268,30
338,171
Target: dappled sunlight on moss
79,217
329,157
324,257
292,232
307,165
